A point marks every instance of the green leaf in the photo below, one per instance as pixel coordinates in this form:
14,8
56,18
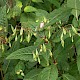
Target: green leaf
55,2
3,2
57,15
30,65
44,62
29,9
19,67
41,15
48,73
38,42
37,0
76,13
60,53
79,21
74,70
45,58
64,66
75,5
23,54
59,78
32,75
16,10
78,63
78,47
68,77
75,22
28,21
3,17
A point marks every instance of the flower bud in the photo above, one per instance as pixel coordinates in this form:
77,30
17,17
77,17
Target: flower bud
21,31
74,30
22,74
50,53
64,31
41,24
16,38
62,42
41,48
47,63
34,57
62,36
28,37
14,31
37,53
69,33
18,72
39,60
49,34
2,47
21,71
12,28
44,48
9,43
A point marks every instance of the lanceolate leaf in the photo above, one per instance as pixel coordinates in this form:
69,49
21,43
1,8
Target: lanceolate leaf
58,14
23,54
68,77
55,2
32,75
75,22
28,20
75,5
76,13
78,47
78,53
48,73
3,17
19,66
78,63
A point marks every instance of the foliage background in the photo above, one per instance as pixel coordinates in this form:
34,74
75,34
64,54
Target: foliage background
40,39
